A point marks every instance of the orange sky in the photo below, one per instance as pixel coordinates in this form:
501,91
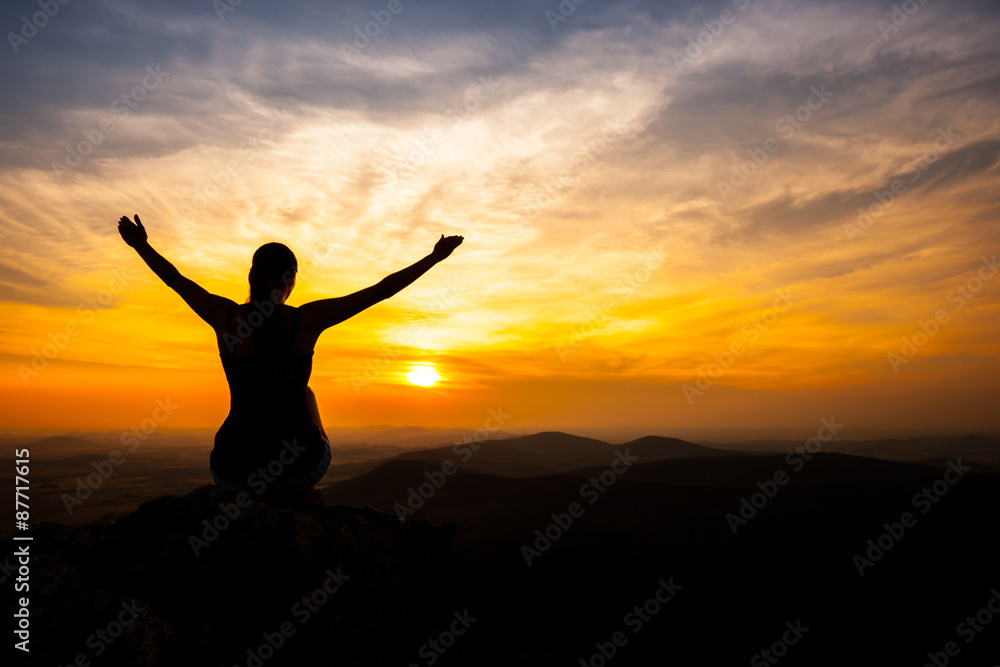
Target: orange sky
611,255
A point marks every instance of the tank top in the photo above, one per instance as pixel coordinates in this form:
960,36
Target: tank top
269,428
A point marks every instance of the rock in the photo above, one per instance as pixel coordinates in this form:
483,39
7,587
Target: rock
224,577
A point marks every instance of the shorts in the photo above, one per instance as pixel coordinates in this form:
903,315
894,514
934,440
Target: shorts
303,483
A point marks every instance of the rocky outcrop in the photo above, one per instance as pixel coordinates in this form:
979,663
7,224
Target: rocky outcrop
224,577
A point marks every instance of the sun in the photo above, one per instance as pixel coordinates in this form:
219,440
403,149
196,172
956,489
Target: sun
423,375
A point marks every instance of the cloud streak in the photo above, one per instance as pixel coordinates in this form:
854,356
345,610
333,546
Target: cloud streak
587,146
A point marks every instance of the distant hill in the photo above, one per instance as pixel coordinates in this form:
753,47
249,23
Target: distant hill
358,452
404,437
744,471
467,493
464,496
979,449
64,445
558,447
657,447
552,452
494,459
545,590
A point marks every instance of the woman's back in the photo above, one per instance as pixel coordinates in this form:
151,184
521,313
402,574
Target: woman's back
269,425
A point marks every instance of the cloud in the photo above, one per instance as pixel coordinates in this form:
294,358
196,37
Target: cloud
562,155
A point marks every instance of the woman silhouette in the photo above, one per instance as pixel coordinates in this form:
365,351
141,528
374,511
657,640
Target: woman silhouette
273,438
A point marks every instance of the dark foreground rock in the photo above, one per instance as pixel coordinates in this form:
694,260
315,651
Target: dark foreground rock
275,582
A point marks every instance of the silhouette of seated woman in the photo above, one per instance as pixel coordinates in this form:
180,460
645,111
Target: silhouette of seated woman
273,438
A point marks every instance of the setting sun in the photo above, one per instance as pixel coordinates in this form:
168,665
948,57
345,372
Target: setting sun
827,248
423,375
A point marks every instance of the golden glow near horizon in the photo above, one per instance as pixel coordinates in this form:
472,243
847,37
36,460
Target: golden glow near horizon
756,232
423,375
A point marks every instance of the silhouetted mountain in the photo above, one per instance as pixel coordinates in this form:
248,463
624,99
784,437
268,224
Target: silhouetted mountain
545,587
420,489
823,469
789,555
558,447
552,452
363,452
64,445
978,468
492,458
404,437
496,460
977,449
463,495
656,447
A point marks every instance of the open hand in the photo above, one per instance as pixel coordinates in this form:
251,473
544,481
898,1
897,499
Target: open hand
133,234
445,245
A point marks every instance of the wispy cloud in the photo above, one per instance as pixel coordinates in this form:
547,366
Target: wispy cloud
384,151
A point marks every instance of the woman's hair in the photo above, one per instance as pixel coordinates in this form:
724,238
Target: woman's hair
274,268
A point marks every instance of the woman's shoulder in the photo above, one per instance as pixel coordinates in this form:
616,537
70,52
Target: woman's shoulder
265,308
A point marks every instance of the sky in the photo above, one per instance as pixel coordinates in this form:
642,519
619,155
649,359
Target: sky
676,216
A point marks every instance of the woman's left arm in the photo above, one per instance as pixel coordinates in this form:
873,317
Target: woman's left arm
209,307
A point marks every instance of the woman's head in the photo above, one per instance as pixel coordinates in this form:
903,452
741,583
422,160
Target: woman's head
272,275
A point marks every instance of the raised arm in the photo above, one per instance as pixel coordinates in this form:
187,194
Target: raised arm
208,306
325,313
